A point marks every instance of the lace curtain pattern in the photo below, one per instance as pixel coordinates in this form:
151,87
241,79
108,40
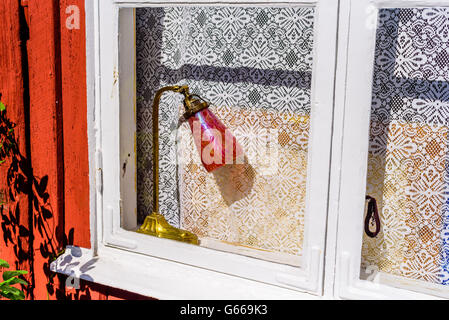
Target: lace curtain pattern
408,152
254,65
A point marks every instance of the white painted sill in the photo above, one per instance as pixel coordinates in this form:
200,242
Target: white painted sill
163,279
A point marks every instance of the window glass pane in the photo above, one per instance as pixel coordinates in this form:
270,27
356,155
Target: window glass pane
408,151
254,65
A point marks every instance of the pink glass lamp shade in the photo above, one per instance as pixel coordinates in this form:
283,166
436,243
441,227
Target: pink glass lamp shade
215,143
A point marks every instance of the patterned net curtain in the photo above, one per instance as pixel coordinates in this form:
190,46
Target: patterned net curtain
408,161
254,65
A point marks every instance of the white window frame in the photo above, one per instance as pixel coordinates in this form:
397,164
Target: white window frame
111,242
350,155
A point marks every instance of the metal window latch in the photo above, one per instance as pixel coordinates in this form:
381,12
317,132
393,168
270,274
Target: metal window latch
372,217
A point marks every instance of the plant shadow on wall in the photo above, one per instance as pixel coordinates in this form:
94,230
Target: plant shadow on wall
20,234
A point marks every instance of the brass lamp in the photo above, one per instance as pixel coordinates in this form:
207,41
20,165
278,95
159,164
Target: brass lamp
217,147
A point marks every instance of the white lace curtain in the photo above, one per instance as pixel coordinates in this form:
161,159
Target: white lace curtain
254,65
408,157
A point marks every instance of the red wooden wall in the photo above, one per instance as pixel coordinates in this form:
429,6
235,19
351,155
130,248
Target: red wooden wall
44,184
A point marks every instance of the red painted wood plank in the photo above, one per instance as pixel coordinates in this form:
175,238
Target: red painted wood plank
46,142
13,245
76,162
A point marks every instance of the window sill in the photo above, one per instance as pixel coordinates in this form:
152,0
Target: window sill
163,279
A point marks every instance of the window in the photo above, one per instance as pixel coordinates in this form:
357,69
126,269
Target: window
255,66
259,65
406,171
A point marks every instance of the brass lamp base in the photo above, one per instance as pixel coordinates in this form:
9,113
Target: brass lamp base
156,225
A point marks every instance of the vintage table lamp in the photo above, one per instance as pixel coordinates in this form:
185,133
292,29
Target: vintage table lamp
216,145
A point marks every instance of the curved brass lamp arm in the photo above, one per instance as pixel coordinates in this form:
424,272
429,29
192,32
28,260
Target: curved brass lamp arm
156,100
155,223
192,104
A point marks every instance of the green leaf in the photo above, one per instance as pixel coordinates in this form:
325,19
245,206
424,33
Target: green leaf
2,106
6,284
12,293
4,264
13,281
6,294
9,274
